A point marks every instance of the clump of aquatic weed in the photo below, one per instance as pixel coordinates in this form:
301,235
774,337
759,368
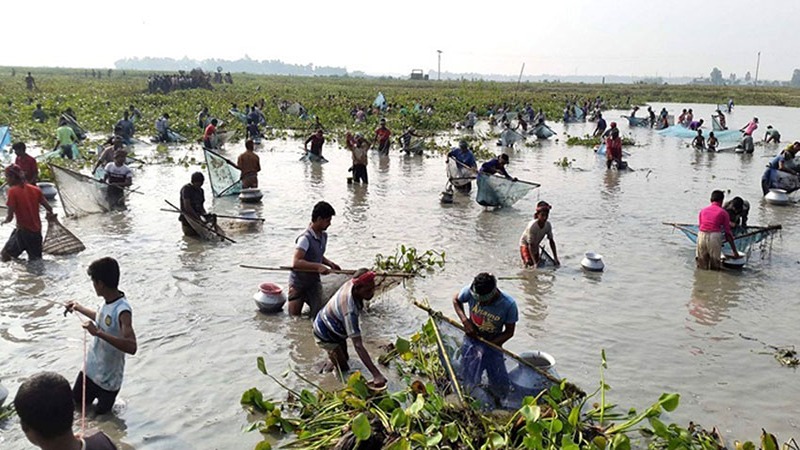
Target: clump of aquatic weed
424,414
409,260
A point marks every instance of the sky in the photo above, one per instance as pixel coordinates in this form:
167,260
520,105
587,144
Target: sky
580,37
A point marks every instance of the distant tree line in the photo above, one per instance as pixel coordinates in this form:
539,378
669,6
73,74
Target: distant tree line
271,67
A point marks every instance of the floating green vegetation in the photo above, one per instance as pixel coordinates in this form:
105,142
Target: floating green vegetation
564,163
589,141
6,412
410,260
424,414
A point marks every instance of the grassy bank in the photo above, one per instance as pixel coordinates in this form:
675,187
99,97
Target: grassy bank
98,103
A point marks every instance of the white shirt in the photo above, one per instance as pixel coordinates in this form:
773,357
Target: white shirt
534,234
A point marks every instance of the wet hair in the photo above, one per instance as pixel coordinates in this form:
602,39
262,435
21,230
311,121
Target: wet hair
248,144
18,146
484,283
503,157
322,210
106,271
717,196
198,176
44,404
214,122
166,116
737,203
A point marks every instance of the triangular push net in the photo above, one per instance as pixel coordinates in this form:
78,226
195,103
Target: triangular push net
60,241
498,191
223,175
80,194
743,237
509,137
458,174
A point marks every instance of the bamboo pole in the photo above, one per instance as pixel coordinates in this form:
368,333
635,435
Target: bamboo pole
343,272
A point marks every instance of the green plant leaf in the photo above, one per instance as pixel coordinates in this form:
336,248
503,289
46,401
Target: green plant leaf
659,428
621,442
557,425
603,358
669,401
434,439
399,419
574,415
261,366
417,406
361,428
451,432
402,345
263,445
400,444
531,413
599,442
495,440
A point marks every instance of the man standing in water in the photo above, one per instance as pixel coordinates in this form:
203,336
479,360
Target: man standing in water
23,203
112,328
338,321
316,140
26,162
492,317
358,147
600,129
530,241
309,261
382,135
192,200
250,165
65,138
118,176
713,221
46,411
210,135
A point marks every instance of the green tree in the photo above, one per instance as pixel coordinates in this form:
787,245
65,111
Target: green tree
716,76
795,78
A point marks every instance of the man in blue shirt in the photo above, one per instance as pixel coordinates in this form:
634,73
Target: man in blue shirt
601,126
492,317
497,166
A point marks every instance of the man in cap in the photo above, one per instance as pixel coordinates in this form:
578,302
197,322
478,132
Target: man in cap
23,203
497,165
492,317
26,162
714,222
338,321
530,247
46,412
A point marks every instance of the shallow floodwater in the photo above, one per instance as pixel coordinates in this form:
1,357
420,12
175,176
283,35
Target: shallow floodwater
665,326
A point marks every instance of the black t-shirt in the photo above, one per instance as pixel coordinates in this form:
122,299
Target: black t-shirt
99,441
196,199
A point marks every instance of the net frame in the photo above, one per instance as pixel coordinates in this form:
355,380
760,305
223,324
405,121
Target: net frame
80,194
60,241
497,191
223,175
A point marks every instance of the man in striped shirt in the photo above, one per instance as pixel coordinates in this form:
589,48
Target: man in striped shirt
338,321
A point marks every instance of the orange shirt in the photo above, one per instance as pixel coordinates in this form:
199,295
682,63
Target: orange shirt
25,200
210,130
383,134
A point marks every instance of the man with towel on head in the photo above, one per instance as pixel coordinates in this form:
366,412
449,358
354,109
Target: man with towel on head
493,317
338,321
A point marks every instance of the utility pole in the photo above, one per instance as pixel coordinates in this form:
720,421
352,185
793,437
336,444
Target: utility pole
439,76
758,63
519,80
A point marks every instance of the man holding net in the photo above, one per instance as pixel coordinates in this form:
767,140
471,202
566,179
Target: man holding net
492,317
23,204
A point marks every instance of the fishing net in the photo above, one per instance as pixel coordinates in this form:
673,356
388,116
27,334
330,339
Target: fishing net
785,181
715,125
80,195
60,241
498,191
223,175
459,175
579,113
542,132
679,131
5,137
510,137
205,231
637,121
294,109
496,379
743,237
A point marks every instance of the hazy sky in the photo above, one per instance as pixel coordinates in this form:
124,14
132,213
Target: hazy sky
641,37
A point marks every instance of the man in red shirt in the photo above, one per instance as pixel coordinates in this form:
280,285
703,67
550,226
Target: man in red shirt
713,221
23,203
210,134
26,162
382,135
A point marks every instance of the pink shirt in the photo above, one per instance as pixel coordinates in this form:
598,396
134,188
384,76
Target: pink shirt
714,219
752,126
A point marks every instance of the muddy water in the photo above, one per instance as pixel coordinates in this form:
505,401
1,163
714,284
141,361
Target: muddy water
664,325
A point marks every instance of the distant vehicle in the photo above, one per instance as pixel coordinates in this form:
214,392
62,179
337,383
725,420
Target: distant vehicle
416,74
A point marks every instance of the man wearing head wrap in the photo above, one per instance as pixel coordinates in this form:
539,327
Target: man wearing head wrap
530,242
23,204
338,321
492,316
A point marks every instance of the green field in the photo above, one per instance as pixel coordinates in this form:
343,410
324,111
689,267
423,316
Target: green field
98,103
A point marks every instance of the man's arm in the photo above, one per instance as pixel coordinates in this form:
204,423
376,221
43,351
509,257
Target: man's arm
9,214
469,327
363,354
126,343
75,306
299,263
508,332
330,264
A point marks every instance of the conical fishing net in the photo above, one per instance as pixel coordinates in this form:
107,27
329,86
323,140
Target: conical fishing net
542,132
498,191
495,378
679,131
510,137
60,241
80,195
223,175
743,237
458,174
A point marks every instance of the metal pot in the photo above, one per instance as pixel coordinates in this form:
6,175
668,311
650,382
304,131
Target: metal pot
777,197
48,189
